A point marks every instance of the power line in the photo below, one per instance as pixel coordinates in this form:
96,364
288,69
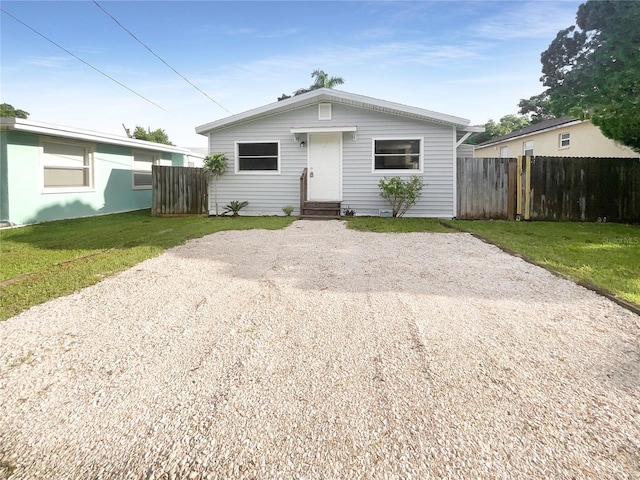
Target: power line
86,63
158,56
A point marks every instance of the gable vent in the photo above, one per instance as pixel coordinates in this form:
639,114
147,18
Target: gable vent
324,111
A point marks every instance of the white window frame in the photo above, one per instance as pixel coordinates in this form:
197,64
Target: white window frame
504,151
89,152
157,158
525,149
405,171
564,137
256,172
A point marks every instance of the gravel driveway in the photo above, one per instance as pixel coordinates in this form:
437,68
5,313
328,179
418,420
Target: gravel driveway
318,352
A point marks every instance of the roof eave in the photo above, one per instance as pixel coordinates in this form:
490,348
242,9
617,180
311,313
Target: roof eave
31,126
507,138
337,96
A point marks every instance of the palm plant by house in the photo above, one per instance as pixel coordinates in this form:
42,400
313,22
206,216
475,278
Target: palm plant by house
234,207
215,165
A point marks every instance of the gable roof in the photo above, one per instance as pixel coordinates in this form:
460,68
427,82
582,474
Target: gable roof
335,96
531,129
31,126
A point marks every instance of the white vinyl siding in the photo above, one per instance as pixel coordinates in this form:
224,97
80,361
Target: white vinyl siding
268,194
141,169
67,166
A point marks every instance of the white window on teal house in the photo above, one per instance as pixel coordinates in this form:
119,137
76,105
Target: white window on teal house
141,169
67,167
397,154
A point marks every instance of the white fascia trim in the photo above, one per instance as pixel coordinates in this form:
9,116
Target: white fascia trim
336,96
42,128
323,129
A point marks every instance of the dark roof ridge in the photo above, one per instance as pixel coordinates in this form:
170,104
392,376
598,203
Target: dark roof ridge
529,129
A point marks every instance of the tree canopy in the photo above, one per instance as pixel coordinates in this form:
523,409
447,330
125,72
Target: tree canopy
321,80
592,69
537,108
7,110
157,136
507,124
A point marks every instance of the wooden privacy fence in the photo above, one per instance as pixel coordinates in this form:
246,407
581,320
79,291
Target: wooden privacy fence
178,191
549,188
585,189
483,188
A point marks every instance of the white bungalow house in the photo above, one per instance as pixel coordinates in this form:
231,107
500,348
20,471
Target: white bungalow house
341,144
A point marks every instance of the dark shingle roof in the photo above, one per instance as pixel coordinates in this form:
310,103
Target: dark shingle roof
529,129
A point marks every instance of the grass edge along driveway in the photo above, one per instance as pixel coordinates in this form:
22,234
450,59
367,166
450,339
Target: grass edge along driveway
48,260
606,255
45,261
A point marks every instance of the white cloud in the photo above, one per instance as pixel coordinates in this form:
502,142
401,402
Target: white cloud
528,20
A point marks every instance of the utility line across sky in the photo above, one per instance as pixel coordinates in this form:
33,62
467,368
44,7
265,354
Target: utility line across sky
159,57
83,61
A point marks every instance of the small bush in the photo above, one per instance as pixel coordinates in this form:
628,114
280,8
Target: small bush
349,212
288,210
401,194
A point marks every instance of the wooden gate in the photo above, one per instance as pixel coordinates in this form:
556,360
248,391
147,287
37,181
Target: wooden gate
486,188
178,191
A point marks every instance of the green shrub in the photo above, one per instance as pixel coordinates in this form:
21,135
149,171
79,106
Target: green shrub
234,208
401,194
288,210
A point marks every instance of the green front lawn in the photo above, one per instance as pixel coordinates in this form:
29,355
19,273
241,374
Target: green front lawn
45,261
396,225
604,254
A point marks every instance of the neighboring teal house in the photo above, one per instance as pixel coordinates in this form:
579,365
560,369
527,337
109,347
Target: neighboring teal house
49,172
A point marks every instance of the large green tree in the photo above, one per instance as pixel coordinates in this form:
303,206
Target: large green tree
7,110
157,136
321,80
537,108
592,69
507,124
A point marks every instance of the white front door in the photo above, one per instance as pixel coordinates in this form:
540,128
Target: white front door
324,172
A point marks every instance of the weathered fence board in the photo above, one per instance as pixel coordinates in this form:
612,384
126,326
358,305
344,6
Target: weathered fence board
585,189
549,188
178,191
483,188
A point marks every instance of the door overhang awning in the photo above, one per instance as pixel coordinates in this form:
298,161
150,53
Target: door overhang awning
327,129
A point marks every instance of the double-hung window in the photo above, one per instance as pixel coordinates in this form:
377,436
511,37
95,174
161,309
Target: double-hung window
527,148
67,166
141,169
397,154
258,157
564,140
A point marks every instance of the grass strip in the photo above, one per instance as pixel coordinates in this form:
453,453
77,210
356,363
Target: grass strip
42,262
602,255
396,225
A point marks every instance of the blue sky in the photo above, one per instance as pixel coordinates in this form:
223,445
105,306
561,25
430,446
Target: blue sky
472,59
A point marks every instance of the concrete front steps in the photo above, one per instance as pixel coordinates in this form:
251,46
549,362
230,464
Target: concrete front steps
321,211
